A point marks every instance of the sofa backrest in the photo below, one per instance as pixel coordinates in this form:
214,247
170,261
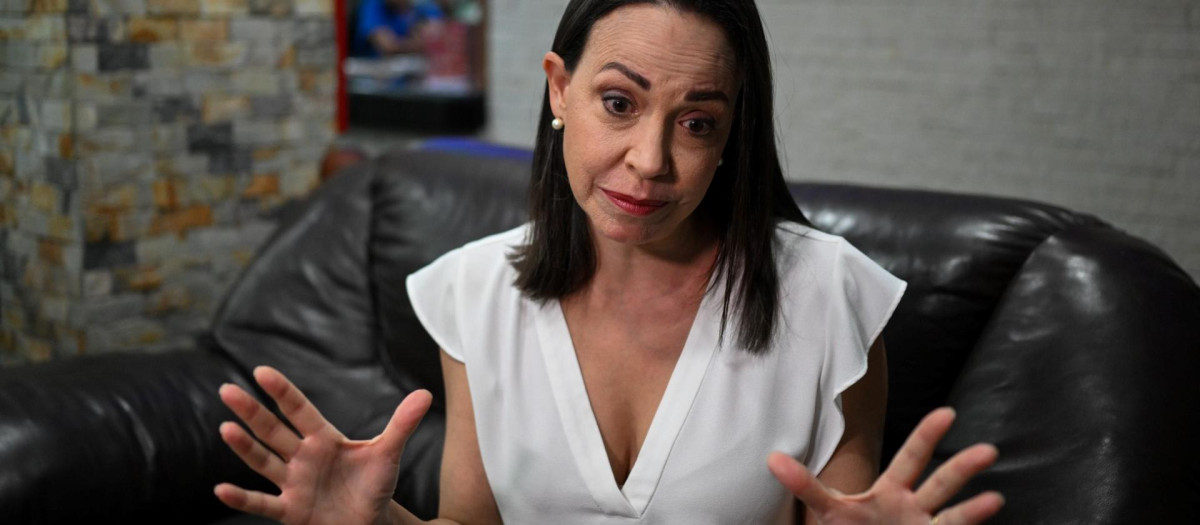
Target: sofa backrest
958,254
1044,326
331,281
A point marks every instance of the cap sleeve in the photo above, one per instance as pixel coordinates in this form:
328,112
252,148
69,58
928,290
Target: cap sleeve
433,295
863,298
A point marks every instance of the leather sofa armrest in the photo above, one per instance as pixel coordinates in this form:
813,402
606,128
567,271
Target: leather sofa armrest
116,438
1085,379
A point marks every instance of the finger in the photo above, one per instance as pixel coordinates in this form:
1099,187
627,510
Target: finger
972,511
912,457
253,454
252,502
405,419
291,401
268,428
950,478
800,482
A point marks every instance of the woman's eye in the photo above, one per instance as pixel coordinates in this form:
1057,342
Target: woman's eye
699,126
617,105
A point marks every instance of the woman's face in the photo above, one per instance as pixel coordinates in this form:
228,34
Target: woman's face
647,112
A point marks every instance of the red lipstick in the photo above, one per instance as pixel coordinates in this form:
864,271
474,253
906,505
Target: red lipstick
632,206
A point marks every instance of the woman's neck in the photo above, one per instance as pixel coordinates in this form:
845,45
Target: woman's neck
680,265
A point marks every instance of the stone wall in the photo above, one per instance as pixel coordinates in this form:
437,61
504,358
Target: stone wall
1089,104
144,145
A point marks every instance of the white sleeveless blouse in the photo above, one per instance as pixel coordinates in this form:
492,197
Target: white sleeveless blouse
704,459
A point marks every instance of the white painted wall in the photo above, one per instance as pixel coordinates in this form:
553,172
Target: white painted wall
1089,104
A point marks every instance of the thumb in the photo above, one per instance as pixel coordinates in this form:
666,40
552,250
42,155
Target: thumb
404,420
801,483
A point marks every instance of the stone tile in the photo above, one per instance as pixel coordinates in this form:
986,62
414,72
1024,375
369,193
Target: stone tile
215,29
55,115
249,133
111,139
124,114
262,53
106,169
222,107
172,109
97,283
180,221
117,7
85,58
45,197
255,82
230,8
44,27
108,255
149,30
299,181
270,107
61,172
85,116
314,7
255,29
313,32
273,8
114,57
155,250
134,333
212,189
234,161
165,55
181,166
202,82
169,138
48,6
160,83
316,57
95,29
173,7
103,87
210,137
224,54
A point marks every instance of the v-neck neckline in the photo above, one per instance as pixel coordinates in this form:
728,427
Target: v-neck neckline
579,420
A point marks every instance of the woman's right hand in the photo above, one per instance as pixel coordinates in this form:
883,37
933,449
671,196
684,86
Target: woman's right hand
323,477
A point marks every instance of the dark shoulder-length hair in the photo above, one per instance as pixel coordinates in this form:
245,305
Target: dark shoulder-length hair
747,197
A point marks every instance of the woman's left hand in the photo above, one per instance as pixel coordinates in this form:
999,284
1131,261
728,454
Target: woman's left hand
892,500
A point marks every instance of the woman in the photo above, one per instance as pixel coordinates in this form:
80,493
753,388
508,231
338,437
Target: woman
666,342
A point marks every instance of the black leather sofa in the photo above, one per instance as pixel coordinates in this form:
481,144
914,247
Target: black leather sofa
1072,346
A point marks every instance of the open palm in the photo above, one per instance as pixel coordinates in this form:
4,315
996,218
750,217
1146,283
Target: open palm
323,477
892,500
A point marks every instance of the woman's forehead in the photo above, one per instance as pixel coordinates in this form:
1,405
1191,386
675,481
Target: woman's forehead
662,42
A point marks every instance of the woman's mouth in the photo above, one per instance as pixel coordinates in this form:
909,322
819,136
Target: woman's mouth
632,206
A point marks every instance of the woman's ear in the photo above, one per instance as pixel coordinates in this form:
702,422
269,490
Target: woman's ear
558,79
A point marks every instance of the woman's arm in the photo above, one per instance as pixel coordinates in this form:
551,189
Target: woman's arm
855,463
837,494
465,495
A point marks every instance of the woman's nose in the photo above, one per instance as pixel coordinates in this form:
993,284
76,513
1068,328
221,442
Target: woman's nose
649,153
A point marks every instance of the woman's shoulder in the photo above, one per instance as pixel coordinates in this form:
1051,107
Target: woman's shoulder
504,241
797,243
790,232
807,256
491,249
485,259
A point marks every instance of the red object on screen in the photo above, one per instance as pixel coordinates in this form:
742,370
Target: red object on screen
342,37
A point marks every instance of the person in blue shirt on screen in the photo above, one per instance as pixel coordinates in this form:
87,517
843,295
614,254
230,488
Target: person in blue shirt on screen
388,27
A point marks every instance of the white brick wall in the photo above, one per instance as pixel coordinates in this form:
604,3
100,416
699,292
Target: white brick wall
1090,104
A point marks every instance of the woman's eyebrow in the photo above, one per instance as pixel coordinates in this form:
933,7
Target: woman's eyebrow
633,75
692,96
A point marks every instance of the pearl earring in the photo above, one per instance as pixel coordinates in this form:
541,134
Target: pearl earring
557,124
720,162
